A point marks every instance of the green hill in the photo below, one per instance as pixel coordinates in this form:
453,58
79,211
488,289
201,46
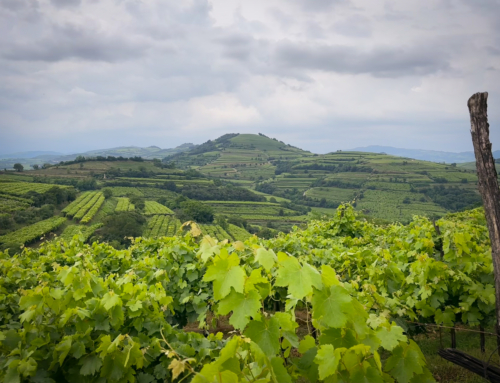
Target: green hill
382,186
252,181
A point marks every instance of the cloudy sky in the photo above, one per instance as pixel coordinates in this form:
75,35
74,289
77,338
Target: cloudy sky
323,75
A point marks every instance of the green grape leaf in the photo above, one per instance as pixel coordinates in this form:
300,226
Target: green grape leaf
12,376
225,274
306,344
63,349
390,338
280,371
266,334
77,350
255,278
90,365
406,360
425,377
265,258
110,300
331,306
286,321
134,305
363,373
446,317
338,337
327,360
242,306
299,279
328,276
145,378
375,321
27,367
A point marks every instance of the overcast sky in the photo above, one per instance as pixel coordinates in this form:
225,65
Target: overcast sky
323,75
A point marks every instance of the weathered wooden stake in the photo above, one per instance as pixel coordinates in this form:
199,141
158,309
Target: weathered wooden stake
488,184
482,339
453,338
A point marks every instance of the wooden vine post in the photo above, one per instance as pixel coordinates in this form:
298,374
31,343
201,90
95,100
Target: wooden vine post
488,183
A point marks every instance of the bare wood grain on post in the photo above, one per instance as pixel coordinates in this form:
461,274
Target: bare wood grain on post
488,183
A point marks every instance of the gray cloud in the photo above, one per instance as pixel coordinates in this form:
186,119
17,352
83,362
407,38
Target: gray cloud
354,26
163,72
320,5
380,61
72,42
66,3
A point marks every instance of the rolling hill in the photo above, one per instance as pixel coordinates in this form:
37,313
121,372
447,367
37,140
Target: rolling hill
383,186
268,183
426,155
28,159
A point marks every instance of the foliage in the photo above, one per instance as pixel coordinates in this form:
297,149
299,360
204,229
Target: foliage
195,211
152,208
93,210
109,315
30,233
222,193
120,227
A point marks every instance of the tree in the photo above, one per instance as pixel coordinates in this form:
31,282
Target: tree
195,211
118,227
107,193
36,167
137,201
18,167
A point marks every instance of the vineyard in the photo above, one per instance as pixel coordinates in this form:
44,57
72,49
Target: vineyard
114,314
162,226
95,199
124,204
75,206
84,231
9,205
340,300
21,188
32,233
93,210
153,207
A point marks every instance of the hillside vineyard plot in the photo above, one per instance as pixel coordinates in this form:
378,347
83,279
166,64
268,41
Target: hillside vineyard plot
124,205
96,199
79,230
75,206
33,232
162,226
10,205
153,207
21,188
93,210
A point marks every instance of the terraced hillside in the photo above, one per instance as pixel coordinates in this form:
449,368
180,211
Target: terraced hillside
245,182
382,186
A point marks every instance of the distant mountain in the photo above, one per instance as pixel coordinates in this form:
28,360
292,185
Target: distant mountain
420,154
132,151
41,157
31,154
